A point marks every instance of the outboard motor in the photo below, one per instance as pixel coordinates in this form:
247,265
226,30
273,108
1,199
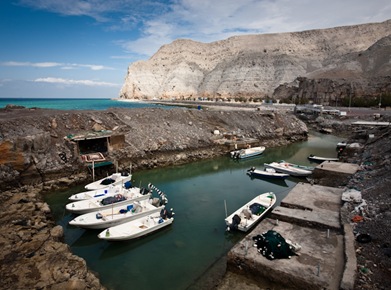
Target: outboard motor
235,222
144,191
165,214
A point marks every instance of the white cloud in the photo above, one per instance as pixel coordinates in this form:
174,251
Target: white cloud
70,82
94,67
207,21
36,64
154,23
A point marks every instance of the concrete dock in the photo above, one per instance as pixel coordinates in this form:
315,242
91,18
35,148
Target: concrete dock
335,174
309,216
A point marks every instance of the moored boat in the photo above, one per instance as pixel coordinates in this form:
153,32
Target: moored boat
248,152
106,191
99,203
320,159
266,173
342,144
248,215
285,167
139,227
113,179
118,214
305,167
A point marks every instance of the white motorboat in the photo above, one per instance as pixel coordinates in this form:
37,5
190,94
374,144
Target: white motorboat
266,173
118,214
113,179
106,191
320,159
285,167
138,227
99,203
248,152
247,216
305,167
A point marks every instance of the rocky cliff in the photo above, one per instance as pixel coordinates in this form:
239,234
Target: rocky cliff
36,149
255,65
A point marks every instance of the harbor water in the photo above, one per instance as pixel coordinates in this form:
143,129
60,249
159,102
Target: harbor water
202,194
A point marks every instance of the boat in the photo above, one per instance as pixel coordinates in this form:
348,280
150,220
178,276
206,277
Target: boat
342,144
113,179
247,216
139,227
285,167
320,159
248,152
106,191
118,214
305,167
99,203
326,130
266,173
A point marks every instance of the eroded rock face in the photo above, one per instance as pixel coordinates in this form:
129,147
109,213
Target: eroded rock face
33,255
255,65
33,152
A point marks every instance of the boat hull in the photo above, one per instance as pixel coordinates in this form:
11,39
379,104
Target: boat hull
251,213
247,153
320,159
95,204
117,215
266,174
103,192
114,179
135,229
285,168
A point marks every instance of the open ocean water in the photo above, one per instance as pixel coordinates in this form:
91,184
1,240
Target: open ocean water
74,104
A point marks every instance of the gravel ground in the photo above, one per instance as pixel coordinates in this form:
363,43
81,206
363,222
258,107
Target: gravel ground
371,218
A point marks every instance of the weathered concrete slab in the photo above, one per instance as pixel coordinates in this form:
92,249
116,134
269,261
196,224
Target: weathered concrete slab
340,167
335,174
311,205
319,264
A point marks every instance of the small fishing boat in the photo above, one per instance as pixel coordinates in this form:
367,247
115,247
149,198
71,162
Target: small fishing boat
139,227
106,191
99,203
118,214
248,152
285,167
113,179
320,159
342,145
305,167
247,216
266,173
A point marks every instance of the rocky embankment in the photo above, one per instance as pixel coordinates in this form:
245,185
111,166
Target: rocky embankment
371,217
33,254
37,155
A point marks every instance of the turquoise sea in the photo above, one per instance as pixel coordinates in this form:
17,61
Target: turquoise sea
74,104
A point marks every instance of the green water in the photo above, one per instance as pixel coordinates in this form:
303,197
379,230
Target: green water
179,256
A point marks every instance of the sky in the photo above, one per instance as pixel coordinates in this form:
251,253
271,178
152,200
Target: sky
82,48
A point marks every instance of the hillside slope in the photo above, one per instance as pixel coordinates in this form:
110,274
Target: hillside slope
255,65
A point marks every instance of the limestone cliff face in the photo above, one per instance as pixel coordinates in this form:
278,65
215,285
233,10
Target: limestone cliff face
252,65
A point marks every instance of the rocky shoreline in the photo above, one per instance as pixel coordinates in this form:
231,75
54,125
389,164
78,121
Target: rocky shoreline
34,255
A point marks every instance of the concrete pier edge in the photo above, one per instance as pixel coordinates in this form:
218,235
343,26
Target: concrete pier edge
350,271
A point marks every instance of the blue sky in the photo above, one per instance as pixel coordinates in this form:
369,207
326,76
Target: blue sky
82,48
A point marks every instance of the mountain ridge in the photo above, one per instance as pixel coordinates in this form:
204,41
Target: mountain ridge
256,65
